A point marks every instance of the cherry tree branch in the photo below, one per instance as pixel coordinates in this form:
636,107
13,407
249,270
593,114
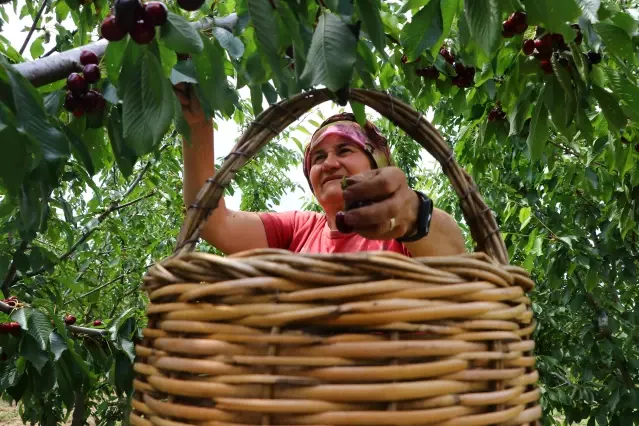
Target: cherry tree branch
4,308
34,26
52,68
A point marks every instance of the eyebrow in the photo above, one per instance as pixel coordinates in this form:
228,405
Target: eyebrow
340,145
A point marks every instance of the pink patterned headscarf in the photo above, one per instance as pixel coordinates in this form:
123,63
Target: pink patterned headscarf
368,139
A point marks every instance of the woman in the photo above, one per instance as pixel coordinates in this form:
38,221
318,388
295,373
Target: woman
339,154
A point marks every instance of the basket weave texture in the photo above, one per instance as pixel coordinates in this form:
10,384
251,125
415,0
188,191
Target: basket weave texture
268,337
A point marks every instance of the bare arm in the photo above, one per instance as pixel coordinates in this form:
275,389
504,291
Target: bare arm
444,238
228,230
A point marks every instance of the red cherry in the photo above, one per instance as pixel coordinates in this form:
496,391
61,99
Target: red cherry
97,323
196,4
14,328
78,112
76,83
529,47
558,42
546,65
447,55
155,13
91,101
70,102
110,29
87,57
69,320
11,303
143,32
91,73
519,22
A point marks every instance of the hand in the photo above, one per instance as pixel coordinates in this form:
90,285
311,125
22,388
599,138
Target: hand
191,108
391,197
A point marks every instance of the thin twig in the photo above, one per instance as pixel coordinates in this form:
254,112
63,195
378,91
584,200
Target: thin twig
571,152
33,27
90,292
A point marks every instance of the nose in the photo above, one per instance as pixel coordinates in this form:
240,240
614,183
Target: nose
331,162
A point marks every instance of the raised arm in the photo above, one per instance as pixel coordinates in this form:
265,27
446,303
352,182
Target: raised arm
228,230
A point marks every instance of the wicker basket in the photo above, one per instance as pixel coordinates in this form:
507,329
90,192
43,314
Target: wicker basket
268,337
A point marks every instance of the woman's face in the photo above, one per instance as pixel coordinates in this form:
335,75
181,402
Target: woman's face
333,158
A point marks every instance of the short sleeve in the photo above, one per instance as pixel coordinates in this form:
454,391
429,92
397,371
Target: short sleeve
279,228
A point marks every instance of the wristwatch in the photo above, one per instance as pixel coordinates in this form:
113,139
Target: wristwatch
424,216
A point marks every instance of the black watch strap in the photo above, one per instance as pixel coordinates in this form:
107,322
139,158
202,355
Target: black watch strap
424,216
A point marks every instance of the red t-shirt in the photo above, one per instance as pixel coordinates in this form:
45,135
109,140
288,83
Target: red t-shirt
308,232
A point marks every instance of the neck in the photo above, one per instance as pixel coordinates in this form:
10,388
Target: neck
331,212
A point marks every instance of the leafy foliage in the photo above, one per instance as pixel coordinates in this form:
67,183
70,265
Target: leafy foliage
88,203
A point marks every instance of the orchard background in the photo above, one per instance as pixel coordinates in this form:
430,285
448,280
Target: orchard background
90,183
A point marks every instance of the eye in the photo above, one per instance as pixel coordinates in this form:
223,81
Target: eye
317,158
345,150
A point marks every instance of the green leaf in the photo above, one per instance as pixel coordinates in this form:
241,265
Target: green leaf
552,14
332,54
80,150
265,23
525,216
31,351
538,129
147,100
9,376
368,10
178,35
37,49
570,99
360,112
33,120
423,32
256,99
40,328
610,106
616,40
627,91
209,67
16,159
113,56
21,316
125,157
183,72
484,23
129,348
58,345
123,373
592,177
519,113
53,102
589,9
229,42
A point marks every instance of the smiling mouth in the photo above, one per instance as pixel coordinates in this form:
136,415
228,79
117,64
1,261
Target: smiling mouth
328,179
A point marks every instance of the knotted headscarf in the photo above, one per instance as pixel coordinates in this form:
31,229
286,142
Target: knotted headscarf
345,124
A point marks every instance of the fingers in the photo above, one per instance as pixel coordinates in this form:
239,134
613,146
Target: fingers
375,185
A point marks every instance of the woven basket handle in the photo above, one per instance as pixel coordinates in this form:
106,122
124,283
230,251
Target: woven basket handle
277,117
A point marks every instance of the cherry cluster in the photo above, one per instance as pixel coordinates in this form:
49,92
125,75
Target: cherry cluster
10,328
134,18
465,75
496,114
79,98
517,23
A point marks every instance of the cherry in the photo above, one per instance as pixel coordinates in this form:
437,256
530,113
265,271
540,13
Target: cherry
97,323
87,57
529,47
76,83
143,32
14,328
91,101
558,42
155,13
91,73
110,29
449,57
69,320
496,114
429,73
544,44
78,112
340,221
546,65
519,22
507,32
11,303
127,13
579,37
194,4
70,102
593,57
